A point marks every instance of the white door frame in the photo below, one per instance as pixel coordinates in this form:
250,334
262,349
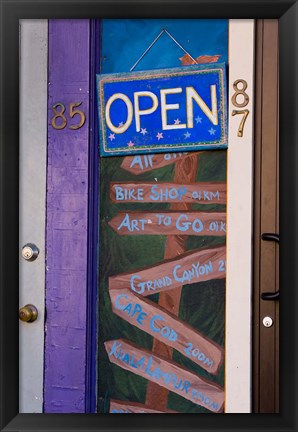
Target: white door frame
33,145
238,369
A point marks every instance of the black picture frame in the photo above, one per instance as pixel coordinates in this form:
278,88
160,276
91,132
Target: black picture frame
11,11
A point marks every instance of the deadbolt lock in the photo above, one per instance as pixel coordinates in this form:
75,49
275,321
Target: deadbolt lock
28,313
267,321
30,252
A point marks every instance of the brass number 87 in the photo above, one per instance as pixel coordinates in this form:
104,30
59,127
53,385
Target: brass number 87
235,101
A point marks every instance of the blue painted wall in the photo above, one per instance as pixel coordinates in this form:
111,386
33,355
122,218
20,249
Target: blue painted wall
124,41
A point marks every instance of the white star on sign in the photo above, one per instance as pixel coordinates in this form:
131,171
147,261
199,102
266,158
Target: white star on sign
159,135
177,121
198,119
130,144
143,131
212,131
112,136
187,135
120,124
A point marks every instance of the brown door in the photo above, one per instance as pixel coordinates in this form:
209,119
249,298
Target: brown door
266,221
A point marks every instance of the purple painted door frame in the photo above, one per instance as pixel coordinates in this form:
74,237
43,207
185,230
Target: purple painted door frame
67,327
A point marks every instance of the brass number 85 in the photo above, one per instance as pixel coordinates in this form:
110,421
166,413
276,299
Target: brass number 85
236,103
59,114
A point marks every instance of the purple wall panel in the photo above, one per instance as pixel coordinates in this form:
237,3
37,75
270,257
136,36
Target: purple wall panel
67,212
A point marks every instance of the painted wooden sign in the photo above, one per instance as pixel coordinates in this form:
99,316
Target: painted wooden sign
166,374
138,164
155,236
169,223
121,407
160,324
195,266
200,193
163,110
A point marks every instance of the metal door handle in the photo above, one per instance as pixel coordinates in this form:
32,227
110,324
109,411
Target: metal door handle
270,237
270,295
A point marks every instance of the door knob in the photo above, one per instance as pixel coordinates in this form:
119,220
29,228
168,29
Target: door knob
28,313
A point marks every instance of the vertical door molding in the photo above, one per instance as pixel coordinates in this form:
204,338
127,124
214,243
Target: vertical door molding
266,277
239,220
33,140
67,219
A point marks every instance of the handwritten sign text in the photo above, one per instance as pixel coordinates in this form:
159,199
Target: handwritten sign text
201,193
166,374
152,319
188,268
169,223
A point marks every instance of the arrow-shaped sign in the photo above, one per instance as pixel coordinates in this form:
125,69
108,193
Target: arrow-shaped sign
169,223
167,328
139,164
166,374
195,266
199,193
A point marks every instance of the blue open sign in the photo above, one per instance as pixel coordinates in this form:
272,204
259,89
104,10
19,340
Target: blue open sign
163,110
